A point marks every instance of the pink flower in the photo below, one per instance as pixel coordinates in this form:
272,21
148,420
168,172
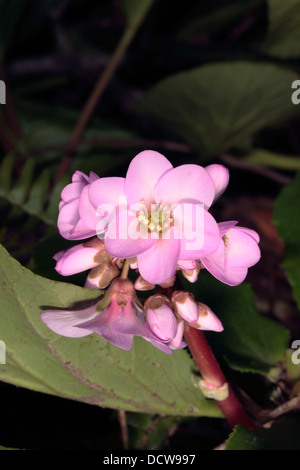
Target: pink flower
237,251
117,318
164,217
74,202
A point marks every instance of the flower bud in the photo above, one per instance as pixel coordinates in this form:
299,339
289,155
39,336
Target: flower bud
168,283
207,320
160,317
192,274
101,276
185,305
177,342
143,285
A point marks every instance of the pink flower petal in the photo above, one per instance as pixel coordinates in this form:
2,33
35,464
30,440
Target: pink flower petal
63,322
185,183
215,265
143,173
220,177
80,177
226,226
159,345
118,324
251,233
196,229
72,191
76,259
158,263
87,212
69,224
106,191
187,264
241,249
105,328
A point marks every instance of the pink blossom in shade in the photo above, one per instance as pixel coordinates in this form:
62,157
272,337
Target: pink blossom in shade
237,251
220,176
69,222
150,185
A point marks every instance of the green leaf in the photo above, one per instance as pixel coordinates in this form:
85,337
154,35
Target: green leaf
87,369
250,342
287,219
217,106
38,194
283,435
19,192
283,36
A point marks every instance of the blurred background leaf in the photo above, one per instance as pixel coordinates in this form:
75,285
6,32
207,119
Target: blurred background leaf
287,219
216,107
283,38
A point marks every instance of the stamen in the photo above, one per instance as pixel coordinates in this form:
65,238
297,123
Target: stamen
159,220
225,239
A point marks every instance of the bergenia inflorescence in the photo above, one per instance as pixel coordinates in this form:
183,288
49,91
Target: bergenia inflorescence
153,224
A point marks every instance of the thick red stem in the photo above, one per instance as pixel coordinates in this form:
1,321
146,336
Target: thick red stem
211,372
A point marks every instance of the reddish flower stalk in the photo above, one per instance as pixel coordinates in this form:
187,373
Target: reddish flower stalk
211,372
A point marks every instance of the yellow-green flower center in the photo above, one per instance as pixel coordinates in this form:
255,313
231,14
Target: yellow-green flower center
159,220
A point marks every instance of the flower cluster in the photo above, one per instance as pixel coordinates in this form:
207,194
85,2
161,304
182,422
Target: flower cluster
156,221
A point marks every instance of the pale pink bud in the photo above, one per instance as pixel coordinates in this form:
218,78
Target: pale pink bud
207,320
177,342
220,177
185,305
160,317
